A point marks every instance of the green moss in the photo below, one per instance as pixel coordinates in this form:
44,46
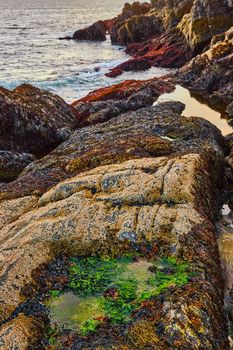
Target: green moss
93,275
52,335
112,290
169,273
55,293
89,326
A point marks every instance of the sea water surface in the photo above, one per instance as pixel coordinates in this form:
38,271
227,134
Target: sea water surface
31,52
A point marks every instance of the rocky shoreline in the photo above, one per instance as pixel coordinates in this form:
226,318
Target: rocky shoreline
114,180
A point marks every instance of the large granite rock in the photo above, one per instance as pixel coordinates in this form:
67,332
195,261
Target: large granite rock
128,26
168,203
33,120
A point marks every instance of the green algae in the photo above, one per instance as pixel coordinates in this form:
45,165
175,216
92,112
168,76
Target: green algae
112,290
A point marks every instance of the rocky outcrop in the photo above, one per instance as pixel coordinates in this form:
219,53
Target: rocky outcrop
189,27
211,72
168,51
206,19
128,26
33,120
106,103
136,29
136,182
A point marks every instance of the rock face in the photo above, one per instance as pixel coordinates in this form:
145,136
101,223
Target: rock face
206,19
211,72
33,120
138,180
128,26
114,141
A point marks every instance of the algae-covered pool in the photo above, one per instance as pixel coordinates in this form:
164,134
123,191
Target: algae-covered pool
104,290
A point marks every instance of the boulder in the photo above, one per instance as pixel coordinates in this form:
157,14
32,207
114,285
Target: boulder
33,120
110,142
136,29
95,32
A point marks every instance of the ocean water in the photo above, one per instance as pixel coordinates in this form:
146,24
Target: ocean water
30,51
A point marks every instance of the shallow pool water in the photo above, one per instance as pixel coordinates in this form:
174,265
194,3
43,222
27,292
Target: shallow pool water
69,310
193,107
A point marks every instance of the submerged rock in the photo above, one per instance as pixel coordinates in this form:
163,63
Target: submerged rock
33,120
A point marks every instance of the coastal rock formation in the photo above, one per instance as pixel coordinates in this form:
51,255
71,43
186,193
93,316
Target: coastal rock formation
109,102
136,182
33,121
169,50
114,141
127,89
170,33
211,72
96,32
128,26
206,19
